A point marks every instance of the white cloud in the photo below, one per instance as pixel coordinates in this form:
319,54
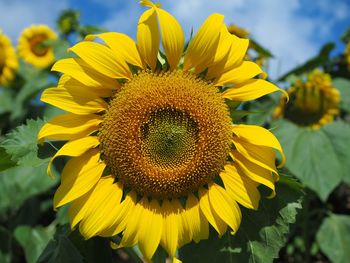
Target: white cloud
15,15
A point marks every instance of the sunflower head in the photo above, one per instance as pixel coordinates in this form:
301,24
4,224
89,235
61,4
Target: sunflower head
33,46
8,60
156,158
313,103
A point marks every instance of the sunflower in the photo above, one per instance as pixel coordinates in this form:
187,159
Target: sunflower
32,47
313,103
156,158
8,60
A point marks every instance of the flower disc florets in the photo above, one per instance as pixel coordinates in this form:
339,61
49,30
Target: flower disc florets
166,134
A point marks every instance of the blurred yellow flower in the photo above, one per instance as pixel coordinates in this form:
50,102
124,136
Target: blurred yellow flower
347,55
313,103
155,155
8,60
238,31
32,47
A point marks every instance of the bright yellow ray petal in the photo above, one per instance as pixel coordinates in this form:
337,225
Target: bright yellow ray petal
121,215
219,225
259,136
69,127
122,45
244,72
192,216
260,155
78,208
82,104
233,58
255,172
224,206
224,45
74,87
173,38
240,187
130,235
171,225
79,175
250,90
151,228
102,59
148,37
84,73
105,196
203,46
75,148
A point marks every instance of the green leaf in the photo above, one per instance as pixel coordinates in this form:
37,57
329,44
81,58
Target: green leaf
334,238
260,237
6,100
263,108
29,177
343,85
339,134
33,240
5,160
60,249
19,183
21,144
5,245
311,156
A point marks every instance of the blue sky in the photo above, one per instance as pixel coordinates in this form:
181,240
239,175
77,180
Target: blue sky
294,30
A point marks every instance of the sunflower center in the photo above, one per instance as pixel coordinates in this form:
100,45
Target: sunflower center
165,135
169,138
37,46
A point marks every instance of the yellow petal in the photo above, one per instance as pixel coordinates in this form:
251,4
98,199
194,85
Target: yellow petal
75,148
73,98
69,127
250,90
219,225
79,175
84,73
197,224
259,136
255,172
233,58
130,235
148,37
244,72
151,228
121,214
260,155
221,52
74,87
122,45
224,206
78,208
171,225
203,46
173,38
102,59
240,187
104,198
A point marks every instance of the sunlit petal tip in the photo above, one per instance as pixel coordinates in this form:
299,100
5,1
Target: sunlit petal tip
90,37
